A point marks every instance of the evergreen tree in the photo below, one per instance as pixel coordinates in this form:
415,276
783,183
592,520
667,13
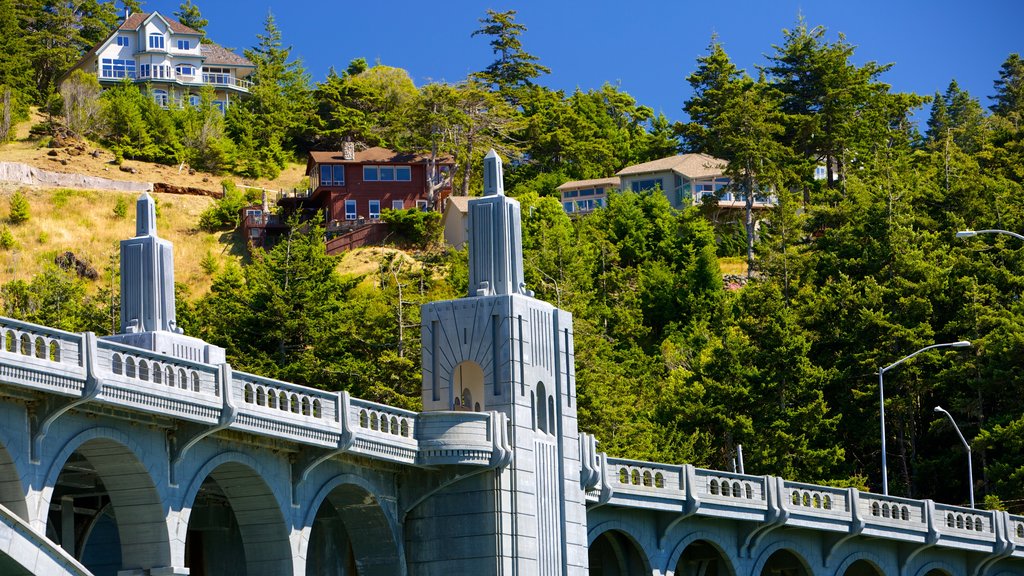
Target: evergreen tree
714,84
1009,96
19,209
514,68
189,15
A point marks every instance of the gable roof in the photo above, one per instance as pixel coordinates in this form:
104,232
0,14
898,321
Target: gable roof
458,204
217,55
376,155
596,182
689,165
133,21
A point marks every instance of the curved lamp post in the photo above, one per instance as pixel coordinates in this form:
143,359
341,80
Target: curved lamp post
970,466
881,399
973,233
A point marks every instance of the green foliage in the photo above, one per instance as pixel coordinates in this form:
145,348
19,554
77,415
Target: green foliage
54,298
209,264
19,209
205,143
121,208
414,227
514,68
189,15
7,241
224,213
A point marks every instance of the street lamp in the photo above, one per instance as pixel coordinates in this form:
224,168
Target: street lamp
881,399
970,466
973,233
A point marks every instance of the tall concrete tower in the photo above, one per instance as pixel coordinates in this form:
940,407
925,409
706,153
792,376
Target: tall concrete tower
499,349
147,294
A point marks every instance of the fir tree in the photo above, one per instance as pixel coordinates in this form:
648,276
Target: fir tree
189,15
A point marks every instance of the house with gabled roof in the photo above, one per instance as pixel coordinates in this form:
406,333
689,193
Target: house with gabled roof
684,179
173,59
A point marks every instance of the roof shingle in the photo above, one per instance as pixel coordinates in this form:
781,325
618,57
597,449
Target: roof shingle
689,165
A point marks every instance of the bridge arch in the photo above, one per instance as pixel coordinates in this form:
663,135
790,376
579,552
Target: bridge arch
937,568
703,548
861,563
104,469
350,530
12,490
614,551
782,557
234,517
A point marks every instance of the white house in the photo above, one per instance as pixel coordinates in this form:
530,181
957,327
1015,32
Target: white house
172,58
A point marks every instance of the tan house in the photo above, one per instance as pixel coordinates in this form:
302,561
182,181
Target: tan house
584,196
456,221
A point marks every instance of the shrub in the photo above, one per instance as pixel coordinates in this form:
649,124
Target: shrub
7,240
413,227
209,264
223,214
121,208
19,209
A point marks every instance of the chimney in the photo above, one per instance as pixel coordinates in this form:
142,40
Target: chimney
127,13
348,150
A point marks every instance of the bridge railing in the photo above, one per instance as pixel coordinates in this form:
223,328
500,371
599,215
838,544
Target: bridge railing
454,438
965,523
136,377
884,514
42,357
1017,530
384,431
279,408
731,489
645,478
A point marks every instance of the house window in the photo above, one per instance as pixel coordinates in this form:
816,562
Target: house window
156,41
599,202
183,45
123,41
641,185
339,175
185,70
160,96
144,70
350,209
387,173
219,105
569,194
421,205
587,192
568,206
325,175
397,205
117,68
194,99
374,209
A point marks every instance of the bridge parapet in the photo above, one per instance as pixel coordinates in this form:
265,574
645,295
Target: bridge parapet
384,431
142,379
39,357
278,408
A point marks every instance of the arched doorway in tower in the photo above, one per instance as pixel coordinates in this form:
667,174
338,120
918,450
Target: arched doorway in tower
351,535
468,387
614,553
702,558
785,563
236,526
862,568
105,510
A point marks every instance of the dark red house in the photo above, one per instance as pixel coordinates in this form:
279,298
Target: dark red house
352,187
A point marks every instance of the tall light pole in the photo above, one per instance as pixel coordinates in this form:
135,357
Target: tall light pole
970,466
881,399
973,233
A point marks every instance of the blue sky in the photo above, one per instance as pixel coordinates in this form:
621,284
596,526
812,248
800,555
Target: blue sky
647,47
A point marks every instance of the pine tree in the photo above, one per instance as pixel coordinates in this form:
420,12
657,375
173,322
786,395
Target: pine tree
19,209
713,84
514,68
1009,96
189,15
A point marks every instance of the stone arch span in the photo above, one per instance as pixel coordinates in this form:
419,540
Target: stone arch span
710,540
615,551
861,563
231,486
12,491
781,551
349,508
937,568
116,459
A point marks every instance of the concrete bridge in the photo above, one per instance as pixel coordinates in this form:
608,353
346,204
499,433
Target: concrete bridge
145,453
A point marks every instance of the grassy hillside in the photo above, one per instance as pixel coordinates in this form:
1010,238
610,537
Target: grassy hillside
84,222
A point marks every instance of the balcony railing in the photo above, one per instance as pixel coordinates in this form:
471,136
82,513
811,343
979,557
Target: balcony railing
226,80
